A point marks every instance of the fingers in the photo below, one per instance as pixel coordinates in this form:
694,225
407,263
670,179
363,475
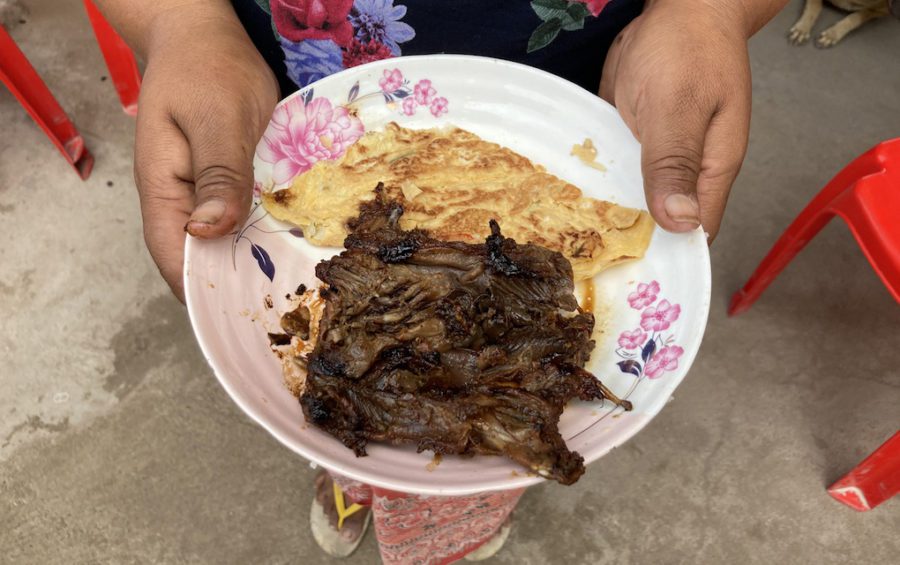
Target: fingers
672,129
162,163
222,147
723,153
193,167
686,97
611,67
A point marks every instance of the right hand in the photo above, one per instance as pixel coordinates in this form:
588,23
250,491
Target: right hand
206,98
679,75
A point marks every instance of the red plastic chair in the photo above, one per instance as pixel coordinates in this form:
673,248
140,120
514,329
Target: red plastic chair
873,481
26,85
866,195
28,88
123,69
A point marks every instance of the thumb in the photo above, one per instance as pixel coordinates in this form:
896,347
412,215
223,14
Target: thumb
672,140
222,160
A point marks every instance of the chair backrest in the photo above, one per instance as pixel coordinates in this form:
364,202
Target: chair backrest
884,194
874,214
888,155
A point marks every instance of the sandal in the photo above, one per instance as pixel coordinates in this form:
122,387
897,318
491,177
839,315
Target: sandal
490,548
337,528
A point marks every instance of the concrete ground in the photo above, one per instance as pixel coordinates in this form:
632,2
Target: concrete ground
117,445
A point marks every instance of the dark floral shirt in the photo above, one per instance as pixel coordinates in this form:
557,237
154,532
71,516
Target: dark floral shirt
305,40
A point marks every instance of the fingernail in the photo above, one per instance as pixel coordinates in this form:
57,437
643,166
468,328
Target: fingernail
683,208
210,212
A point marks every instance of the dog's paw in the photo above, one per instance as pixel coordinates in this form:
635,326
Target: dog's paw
827,38
798,35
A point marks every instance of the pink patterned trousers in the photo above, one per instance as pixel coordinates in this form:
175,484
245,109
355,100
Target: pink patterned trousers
430,530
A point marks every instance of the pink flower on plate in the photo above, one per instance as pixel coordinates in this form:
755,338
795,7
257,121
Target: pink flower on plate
633,339
424,92
645,294
666,359
660,317
408,106
300,135
438,106
391,81
257,189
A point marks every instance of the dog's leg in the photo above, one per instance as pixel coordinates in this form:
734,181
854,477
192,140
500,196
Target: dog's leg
831,36
12,13
799,33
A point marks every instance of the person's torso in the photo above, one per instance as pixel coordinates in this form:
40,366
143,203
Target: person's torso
305,40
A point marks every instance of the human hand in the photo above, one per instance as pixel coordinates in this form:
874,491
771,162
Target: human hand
206,98
680,77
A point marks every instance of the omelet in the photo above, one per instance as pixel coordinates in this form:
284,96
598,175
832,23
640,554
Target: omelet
452,183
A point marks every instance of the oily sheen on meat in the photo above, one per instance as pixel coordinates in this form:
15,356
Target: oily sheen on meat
453,347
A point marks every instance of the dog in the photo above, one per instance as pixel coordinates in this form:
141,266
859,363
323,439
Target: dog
861,11
12,13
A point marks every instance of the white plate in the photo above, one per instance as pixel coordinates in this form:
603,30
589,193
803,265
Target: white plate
532,112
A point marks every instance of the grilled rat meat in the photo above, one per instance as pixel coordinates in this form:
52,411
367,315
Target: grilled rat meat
454,347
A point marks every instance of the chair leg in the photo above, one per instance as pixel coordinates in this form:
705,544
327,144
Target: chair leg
119,58
28,88
873,481
810,221
798,234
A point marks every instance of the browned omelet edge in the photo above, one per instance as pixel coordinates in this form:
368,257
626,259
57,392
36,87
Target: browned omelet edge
451,183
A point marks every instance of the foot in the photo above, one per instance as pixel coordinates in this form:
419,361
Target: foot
493,545
324,520
828,38
798,35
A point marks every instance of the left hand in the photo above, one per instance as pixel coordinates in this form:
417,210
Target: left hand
680,77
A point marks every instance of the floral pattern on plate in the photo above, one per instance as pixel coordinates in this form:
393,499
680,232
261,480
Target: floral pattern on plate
305,129
257,251
658,353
